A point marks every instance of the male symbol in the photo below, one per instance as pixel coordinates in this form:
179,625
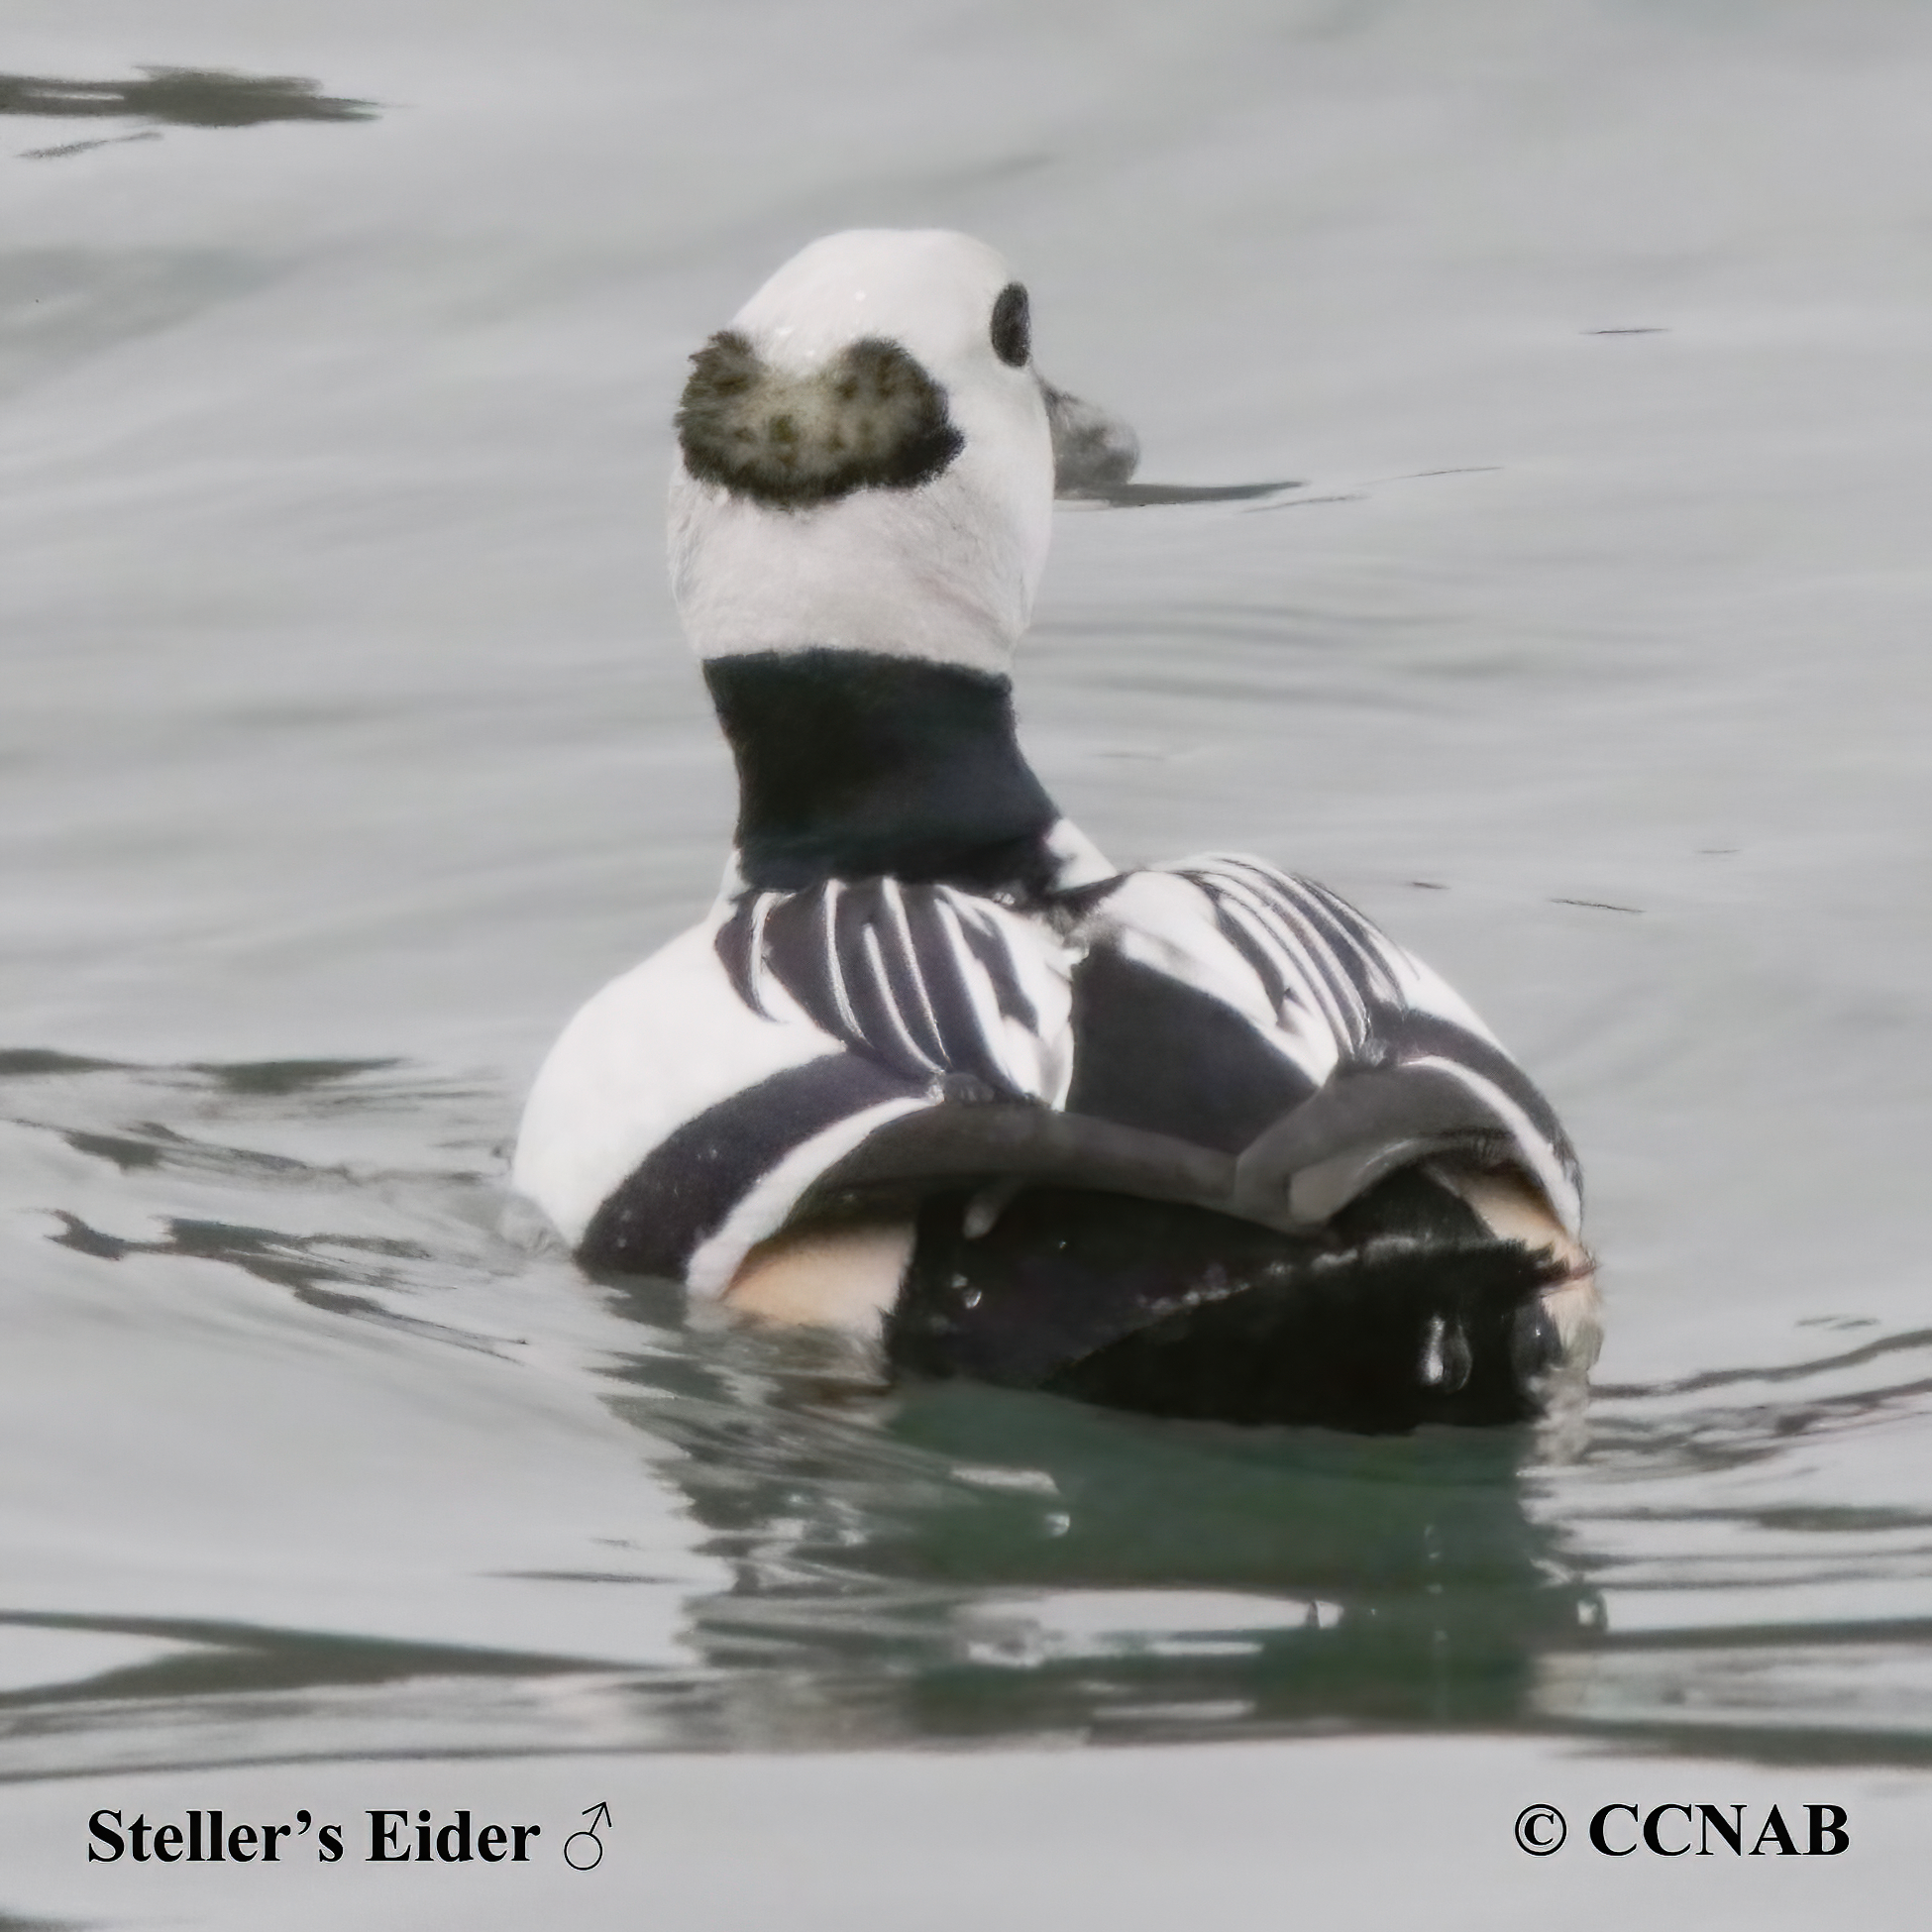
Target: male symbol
582,1849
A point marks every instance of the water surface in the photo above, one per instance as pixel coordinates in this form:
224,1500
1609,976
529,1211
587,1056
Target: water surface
348,742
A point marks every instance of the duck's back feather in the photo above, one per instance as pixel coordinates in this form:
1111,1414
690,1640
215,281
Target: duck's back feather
1215,1034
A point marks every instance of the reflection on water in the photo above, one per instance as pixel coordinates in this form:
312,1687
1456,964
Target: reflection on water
962,1561
188,98
943,1561
1147,495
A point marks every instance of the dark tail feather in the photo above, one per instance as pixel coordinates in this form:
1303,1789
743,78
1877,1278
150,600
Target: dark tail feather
1411,1313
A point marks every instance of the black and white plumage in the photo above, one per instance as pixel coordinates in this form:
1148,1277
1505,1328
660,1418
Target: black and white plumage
1138,1134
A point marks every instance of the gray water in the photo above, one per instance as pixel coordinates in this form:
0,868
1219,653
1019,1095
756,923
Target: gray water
348,742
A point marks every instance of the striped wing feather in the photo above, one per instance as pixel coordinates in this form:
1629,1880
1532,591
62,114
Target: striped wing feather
1311,950
1416,1069
931,982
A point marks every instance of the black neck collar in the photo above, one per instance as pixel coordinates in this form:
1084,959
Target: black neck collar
853,765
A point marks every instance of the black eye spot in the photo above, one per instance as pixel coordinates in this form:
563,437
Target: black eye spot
1013,326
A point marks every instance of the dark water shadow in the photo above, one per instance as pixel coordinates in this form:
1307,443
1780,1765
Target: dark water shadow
314,1269
38,1062
231,1658
240,1694
1633,1439
188,98
335,1273
282,1078
1149,495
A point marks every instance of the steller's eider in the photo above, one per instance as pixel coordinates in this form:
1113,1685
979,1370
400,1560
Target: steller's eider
1196,1138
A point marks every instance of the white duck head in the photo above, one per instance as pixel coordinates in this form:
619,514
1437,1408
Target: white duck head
865,459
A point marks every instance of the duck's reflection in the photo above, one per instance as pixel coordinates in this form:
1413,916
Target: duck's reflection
958,1561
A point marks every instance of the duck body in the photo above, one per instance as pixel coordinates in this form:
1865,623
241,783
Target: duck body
1194,1139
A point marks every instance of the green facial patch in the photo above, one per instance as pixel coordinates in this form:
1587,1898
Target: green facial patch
871,418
